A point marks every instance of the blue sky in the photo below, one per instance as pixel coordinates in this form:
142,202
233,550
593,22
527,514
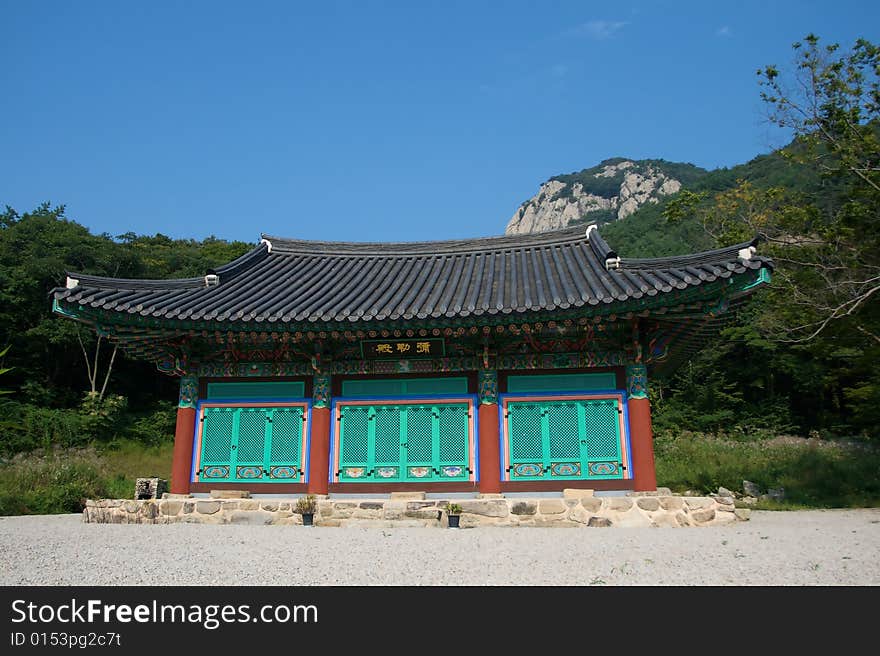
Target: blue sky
373,121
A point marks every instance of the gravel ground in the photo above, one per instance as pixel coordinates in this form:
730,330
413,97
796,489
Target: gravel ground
816,547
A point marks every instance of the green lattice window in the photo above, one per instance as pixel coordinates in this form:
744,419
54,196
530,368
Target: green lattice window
565,438
404,442
251,444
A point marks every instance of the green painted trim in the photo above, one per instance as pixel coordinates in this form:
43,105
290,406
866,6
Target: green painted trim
58,309
530,361
189,392
637,381
321,391
488,384
263,390
562,382
762,279
404,386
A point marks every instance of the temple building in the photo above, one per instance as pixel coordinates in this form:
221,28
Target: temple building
512,363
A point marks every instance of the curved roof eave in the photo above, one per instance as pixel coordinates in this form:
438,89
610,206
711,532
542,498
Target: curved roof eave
285,279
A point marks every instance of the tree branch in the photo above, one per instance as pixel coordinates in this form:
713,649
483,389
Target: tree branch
94,379
109,369
868,333
85,357
837,313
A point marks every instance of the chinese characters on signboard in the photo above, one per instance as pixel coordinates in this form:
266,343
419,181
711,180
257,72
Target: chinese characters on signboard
393,349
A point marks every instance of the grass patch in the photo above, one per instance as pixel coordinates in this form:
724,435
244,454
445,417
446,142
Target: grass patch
814,473
60,480
123,462
51,486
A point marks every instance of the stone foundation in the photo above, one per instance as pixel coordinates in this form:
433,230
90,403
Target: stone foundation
571,510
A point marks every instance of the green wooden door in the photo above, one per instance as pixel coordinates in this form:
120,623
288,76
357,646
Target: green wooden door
404,442
568,438
252,444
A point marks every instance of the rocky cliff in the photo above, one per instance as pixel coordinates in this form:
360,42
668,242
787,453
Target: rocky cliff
612,190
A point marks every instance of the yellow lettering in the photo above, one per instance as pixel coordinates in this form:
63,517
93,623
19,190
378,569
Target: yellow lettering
383,348
423,347
402,347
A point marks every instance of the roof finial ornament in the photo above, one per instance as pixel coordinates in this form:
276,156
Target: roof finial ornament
590,228
747,252
612,263
268,244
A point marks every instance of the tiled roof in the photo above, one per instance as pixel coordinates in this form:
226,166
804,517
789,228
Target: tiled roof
286,280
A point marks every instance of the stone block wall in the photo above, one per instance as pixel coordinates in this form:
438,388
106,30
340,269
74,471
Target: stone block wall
574,510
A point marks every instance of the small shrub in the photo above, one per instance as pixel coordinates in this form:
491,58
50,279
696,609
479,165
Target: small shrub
154,427
36,427
104,414
306,505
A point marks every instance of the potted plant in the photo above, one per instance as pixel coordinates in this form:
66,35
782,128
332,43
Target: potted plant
306,507
453,514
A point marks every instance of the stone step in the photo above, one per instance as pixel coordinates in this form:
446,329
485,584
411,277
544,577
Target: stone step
230,494
407,496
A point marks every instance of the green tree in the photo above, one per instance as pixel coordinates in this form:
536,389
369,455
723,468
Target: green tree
806,349
831,103
36,250
56,361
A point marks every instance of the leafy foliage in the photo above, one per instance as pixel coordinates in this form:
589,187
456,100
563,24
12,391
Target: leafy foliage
803,355
34,427
55,396
37,250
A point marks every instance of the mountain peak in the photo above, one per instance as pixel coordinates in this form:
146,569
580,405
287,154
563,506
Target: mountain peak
613,189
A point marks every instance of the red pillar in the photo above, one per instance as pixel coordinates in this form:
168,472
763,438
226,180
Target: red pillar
641,437
490,456
642,443
319,451
181,460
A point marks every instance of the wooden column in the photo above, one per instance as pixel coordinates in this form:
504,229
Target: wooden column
319,438
184,433
640,434
488,438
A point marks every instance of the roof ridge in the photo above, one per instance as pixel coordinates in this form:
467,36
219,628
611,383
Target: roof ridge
449,246
690,258
134,283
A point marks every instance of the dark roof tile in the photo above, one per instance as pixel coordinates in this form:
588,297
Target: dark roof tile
284,280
